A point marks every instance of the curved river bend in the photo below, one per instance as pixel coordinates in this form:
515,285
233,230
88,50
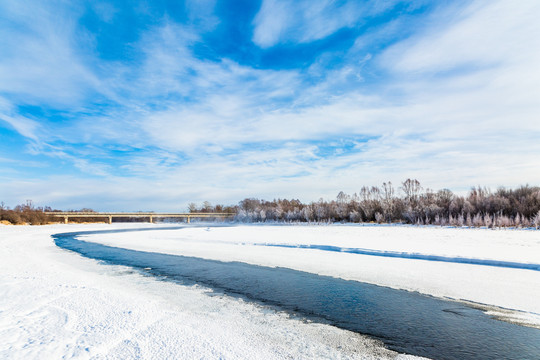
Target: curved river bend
405,321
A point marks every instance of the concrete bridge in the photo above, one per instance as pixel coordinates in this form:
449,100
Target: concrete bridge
150,215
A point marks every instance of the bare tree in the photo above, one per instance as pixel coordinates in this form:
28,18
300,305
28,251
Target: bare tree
387,200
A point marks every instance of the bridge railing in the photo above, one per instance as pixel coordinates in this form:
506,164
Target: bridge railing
150,215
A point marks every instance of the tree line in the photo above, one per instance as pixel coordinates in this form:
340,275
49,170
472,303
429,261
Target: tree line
409,203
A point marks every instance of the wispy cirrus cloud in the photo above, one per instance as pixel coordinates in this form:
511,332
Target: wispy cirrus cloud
446,94
477,36
306,21
42,56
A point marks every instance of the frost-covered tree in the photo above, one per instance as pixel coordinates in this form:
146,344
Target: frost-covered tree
413,205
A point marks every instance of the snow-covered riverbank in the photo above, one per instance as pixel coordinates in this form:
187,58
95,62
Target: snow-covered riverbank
508,288
56,304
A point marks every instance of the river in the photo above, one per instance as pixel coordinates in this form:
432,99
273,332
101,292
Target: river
405,321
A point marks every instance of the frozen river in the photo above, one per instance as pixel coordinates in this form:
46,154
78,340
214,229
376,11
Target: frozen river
405,321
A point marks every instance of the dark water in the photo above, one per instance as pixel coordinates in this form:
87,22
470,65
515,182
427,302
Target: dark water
406,322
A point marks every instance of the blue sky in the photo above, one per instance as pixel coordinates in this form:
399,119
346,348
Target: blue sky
150,105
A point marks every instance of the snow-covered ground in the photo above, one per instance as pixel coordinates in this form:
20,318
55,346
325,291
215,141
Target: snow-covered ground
55,304
501,288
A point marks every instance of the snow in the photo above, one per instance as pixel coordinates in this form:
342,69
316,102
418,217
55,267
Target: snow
56,304
510,293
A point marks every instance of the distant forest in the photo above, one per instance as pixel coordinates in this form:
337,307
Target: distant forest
408,203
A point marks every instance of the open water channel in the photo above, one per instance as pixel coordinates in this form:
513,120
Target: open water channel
405,321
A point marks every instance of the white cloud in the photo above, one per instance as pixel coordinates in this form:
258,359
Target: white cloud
306,21
38,60
23,126
484,34
271,22
201,13
457,106
105,10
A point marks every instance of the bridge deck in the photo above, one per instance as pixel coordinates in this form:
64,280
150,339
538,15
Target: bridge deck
151,215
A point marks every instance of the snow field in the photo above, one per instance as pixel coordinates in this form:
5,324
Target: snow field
57,304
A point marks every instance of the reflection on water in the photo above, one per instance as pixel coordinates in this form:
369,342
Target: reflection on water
405,321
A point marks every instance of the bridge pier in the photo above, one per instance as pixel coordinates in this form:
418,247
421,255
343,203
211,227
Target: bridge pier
110,219
66,219
151,219
188,219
